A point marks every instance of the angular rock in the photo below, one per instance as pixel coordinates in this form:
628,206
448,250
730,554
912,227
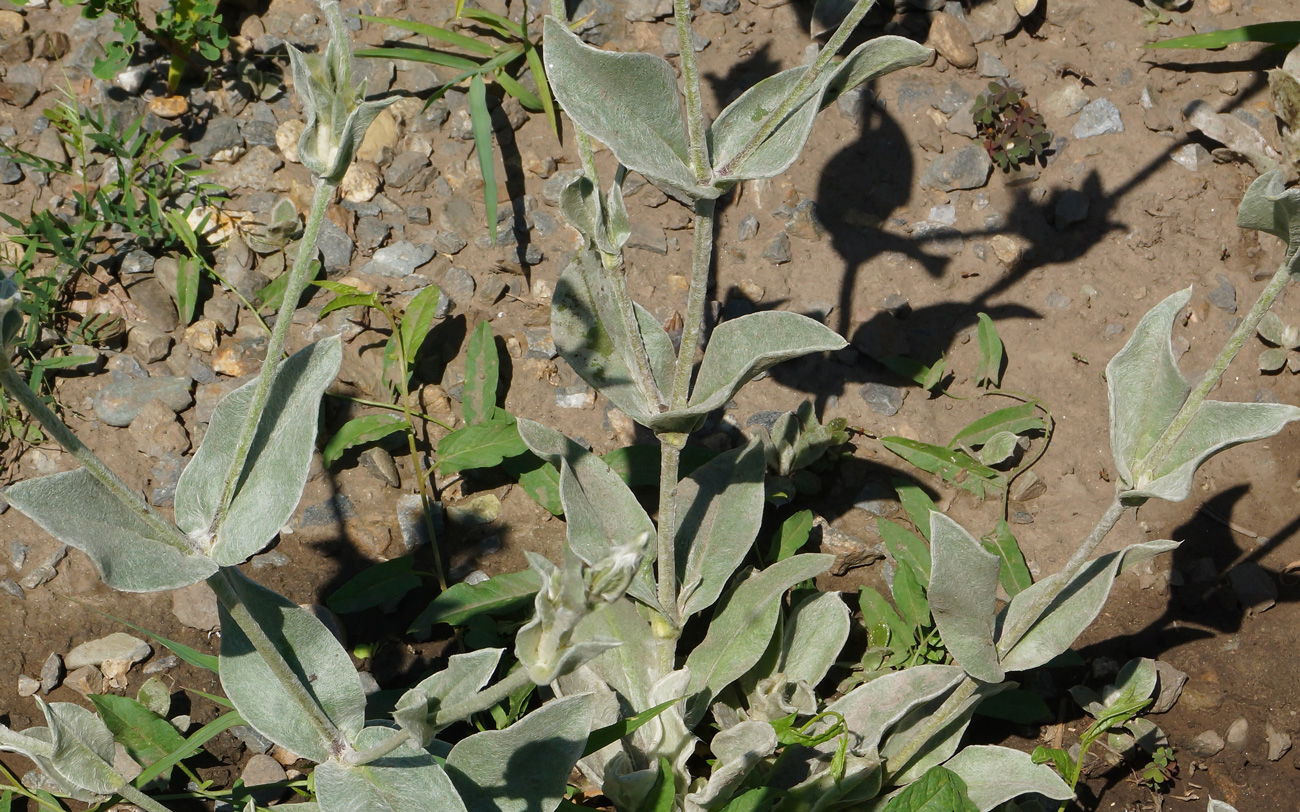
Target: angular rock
51,673
1238,732
157,432
195,606
86,680
399,259
381,465
1279,743
1192,157
116,646
1224,295
883,399
118,403
966,168
777,251
1071,207
1098,117
952,39
1206,745
219,135
1066,100
403,169
1171,682
336,247
261,770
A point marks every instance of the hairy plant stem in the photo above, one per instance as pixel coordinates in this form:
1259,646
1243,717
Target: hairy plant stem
135,796
222,584
18,389
483,700
795,97
298,279
1144,471
695,126
670,453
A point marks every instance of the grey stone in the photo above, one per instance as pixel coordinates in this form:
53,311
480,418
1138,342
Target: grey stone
747,229
166,472
447,242
195,606
403,168
575,396
1279,743
51,673
399,259
1253,586
966,168
156,301
940,239
1098,117
953,98
10,587
540,343
877,498
261,770
219,134
254,741
777,251
418,215
337,508
45,571
118,403
411,520
1066,100
137,261
914,95
458,285
647,11
554,186
1224,296
252,171
883,399
381,465
671,44
370,233
1058,301
991,67
995,18
260,132
335,246
721,6
1171,682
648,238
162,664
1238,732
116,646
962,122
1192,157
545,224
10,172
18,553
851,104
458,215
1071,207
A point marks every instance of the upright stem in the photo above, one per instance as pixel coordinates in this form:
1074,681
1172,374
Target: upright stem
306,703
1145,470
298,278
797,96
701,261
691,88
135,796
19,390
670,452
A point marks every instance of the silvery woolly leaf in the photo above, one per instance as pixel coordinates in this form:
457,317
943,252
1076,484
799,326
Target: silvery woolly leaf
623,668
591,334
736,750
1269,206
1219,806
1276,332
870,710
277,465
998,448
995,775
75,751
524,768
628,102
618,227
815,631
1272,359
11,317
130,554
1146,393
464,676
1074,608
720,511
580,207
406,780
743,119
599,508
742,348
963,597
311,656
741,631
942,744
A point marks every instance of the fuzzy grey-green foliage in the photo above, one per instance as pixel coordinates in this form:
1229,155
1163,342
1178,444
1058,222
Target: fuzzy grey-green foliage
406,780
963,597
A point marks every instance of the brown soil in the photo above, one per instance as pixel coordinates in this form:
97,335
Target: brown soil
1153,228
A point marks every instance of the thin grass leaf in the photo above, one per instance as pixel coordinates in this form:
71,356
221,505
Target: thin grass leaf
189,747
1276,33
511,85
481,120
543,86
147,737
189,655
187,287
605,736
433,31
506,28
423,55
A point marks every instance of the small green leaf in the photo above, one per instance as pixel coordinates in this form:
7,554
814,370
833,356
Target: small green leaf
417,321
187,286
1279,32
376,585
602,737
909,597
956,467
999,448
905,547
989,370
539,479
481,122
360,431
664,791
937,790
482,372
793,535
1014,573
916,502
460,602
1019,419
876,610
482,445
146,736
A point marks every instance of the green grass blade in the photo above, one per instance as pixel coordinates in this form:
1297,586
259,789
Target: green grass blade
191,746
425,55
525,96
434,32
482,122
496,22
1275,33
605,736
543,87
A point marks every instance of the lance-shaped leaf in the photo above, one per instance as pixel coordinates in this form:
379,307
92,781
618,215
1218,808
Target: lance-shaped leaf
815,631
963,597
942,743
146,735
873,708
406,780
995,775
622,668
464,676
742,630
1079,602
742,348
736,750
277,464
1147,390
744,118
75,751
720,512
1219,806
130,554
524,768
937,790
599,508
310,656
591,334
628,102
1269,206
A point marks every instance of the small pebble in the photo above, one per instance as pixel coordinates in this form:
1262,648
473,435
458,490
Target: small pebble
116,646
1098,117
778,250
1238,732
27,686
1279,743
883,399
